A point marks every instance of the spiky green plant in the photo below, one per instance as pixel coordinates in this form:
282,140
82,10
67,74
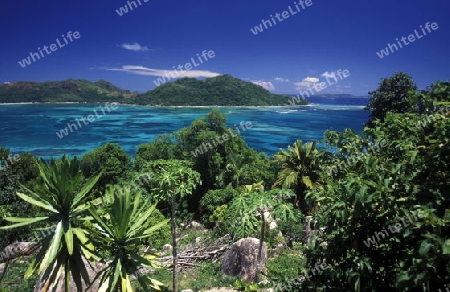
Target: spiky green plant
63,195
120,231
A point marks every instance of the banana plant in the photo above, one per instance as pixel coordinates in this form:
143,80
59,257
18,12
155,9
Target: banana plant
120,230
64,196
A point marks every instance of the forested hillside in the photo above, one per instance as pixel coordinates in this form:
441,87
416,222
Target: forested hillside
70,90
223,90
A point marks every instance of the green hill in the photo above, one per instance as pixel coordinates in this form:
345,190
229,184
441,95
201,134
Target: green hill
223,90
63,91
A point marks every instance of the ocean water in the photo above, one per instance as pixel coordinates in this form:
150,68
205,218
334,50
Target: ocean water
33,127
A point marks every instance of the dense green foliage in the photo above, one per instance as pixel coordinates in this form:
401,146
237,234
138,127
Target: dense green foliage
24,171
63,91
286,266
392,95
13,280
407,177
111,160
214,199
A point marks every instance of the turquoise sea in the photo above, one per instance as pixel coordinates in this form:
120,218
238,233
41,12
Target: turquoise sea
33,127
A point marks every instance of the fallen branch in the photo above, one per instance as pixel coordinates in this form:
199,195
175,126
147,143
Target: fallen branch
189,257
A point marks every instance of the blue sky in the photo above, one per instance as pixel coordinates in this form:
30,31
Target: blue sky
132,50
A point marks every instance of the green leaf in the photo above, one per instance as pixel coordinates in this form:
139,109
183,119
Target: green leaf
69,240
52,251
36,202
86,188
150,230
100,221
446,247
141,219
307,181
22,222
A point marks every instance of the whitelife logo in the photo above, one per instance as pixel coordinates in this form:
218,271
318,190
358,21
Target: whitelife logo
11,158
188,66
122,10
319,86
90,119
285,14
53,48
411,38
394,228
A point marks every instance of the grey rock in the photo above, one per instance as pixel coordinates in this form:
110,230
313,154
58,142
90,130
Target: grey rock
241,259
2,269
166,248
17,249
195,224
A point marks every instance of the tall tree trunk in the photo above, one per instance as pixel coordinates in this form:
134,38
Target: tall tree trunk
174,247
307,229
261,242
300,200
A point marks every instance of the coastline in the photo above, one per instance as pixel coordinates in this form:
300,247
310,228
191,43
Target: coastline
62,102
158,106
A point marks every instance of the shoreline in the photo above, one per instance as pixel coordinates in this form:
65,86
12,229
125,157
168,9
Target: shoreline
159,106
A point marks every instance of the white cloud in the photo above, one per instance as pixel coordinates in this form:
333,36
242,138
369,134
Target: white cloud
311,79
266,85
134,47
327,74
141,70
306,83
280,79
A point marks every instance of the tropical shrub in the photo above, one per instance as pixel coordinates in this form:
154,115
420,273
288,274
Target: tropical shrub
408,177
392,95
213,199
285,267
110,158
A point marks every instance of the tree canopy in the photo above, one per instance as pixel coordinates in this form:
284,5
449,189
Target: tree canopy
392,95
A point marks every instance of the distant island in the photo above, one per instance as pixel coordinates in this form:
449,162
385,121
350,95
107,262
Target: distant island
335,95
70,90
223,90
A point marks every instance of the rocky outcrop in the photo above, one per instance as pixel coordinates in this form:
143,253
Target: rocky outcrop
17,249
241,259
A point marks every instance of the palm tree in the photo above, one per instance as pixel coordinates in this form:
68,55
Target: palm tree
233,172
299,170
64,196
120,231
